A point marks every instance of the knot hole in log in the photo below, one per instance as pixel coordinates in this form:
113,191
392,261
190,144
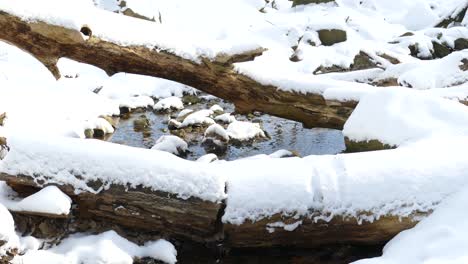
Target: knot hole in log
85,30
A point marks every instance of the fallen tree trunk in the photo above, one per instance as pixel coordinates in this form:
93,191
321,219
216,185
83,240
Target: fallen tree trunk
48,43
153,214
138,209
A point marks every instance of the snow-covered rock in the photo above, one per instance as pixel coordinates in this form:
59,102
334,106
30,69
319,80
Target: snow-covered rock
198,118
243,131
218,132
226,118
169,103
171,144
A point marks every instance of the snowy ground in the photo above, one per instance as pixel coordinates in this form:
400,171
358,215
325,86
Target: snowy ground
46,120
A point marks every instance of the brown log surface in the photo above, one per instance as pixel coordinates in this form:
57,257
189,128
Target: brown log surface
48,43
144,210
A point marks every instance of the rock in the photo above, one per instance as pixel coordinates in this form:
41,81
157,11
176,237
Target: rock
89,133
141,123
131,13
464,65
3,148
217,132
212,145
173,124
98,133
439,50
169,104
362,146
329,37
306,2
171,144
362,61
461,44
226,118
191,99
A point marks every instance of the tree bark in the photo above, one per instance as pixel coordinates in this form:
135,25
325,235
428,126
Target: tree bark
151,213
48,43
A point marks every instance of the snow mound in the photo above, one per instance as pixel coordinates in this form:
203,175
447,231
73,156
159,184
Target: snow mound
168,103
208,158
226,118
217,131
105,248
49,200
201,117
171,144
243,131
398,115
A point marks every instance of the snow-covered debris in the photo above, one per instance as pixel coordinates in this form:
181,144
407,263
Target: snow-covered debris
218,132
201,117
106,248
109,163
49,200
226,118
216,108
440,238
242,130
173,102
171,144
208,158
399,115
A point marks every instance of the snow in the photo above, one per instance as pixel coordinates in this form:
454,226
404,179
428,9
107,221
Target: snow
217,131
225,118
281,154
7,231
200,117
49,200
398,115
171,144
421,174
168,103
106,248
208,158
59,160
440,238
242,130
184,113
216,108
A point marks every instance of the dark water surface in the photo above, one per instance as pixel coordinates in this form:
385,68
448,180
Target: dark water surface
283,133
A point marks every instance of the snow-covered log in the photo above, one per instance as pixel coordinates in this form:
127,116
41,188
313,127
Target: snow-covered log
49,42
137,209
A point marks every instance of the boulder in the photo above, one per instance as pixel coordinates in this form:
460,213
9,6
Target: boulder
461,44
329,37
306,2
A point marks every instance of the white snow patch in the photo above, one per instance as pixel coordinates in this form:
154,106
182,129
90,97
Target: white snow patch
171,144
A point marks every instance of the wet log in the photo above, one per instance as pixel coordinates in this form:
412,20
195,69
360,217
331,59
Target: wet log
311,234
48,43
139,209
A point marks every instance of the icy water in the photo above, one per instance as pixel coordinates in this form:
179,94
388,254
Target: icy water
283,134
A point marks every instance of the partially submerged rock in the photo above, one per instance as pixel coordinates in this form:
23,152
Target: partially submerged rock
169,104
171,144
2,118
141,123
